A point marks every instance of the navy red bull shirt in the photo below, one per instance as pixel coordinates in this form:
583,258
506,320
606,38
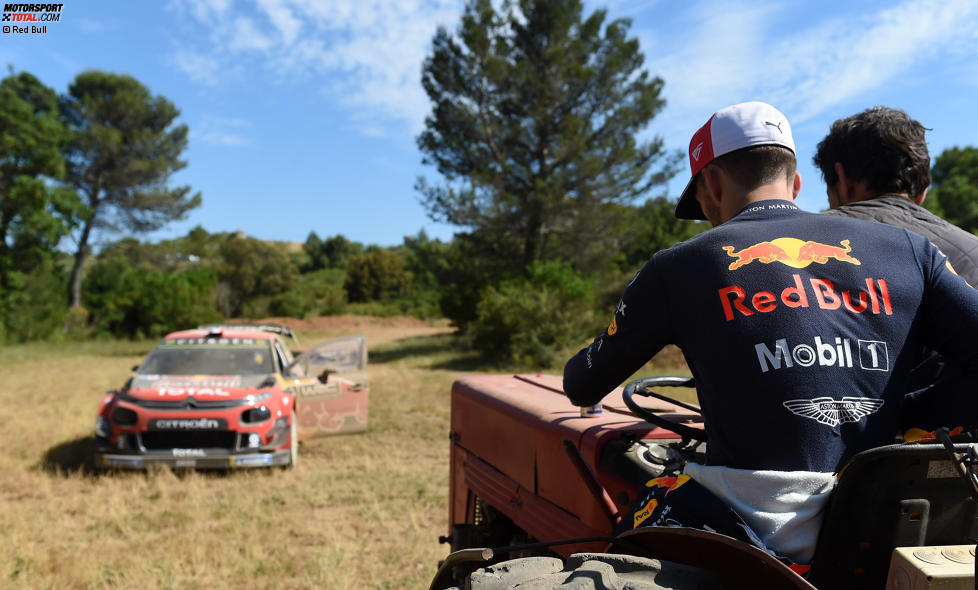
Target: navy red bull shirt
800,330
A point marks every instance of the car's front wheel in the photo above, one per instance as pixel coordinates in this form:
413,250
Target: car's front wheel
294,442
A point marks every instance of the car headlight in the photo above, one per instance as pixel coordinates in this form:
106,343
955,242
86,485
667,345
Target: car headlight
102,427
255,415
124,416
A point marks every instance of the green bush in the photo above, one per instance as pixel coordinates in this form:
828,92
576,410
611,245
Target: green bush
527,321
318,292
332,300
378,275
294,303
253,272
137,303
256,307
323,290
35,308
421,305
462,270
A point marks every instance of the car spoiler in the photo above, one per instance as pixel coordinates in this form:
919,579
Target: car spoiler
273,328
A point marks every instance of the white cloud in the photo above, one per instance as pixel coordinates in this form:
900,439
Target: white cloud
205,11
869,54
369,52
223,139
202,69
282,17
245,36
222,131
742,52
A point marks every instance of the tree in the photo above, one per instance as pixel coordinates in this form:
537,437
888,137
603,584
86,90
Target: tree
535,112
467,266
123,149
34,215
313,248
251,268
132,301
652,227
195,250
334,252
954,193
527,320
378,275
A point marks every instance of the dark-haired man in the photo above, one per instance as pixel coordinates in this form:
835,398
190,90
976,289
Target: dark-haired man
793,324
876,166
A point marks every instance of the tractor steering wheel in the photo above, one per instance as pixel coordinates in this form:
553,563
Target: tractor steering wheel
643,387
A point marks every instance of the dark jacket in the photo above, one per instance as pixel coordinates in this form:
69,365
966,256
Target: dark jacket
959,246
796,328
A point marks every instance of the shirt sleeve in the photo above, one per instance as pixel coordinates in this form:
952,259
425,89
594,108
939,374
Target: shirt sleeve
639,328
949,324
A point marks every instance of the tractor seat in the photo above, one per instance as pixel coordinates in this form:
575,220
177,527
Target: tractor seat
902,495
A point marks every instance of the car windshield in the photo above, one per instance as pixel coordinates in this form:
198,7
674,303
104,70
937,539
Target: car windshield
210,356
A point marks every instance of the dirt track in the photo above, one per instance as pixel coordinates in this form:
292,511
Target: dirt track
376,330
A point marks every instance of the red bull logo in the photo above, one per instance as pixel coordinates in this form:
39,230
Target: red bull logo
668,483
766,252
645,512
791,252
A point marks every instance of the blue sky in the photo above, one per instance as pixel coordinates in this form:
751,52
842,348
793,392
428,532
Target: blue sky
303,113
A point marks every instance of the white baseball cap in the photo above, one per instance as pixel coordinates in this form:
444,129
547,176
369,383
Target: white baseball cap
732,128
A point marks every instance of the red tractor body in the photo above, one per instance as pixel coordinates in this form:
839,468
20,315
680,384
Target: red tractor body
531,478
508,451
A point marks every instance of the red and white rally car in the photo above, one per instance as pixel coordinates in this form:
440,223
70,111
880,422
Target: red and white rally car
227,396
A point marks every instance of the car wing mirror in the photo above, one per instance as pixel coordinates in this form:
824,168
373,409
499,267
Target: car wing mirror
295,369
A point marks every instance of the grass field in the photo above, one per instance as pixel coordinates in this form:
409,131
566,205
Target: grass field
360,511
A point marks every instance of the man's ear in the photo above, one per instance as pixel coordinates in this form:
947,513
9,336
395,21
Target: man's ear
714,184
796,185
844,186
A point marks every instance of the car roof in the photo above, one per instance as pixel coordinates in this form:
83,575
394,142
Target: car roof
223,333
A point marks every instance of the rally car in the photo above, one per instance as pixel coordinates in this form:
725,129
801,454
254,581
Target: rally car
228,396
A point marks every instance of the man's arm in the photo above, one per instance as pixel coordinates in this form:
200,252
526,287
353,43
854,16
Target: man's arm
949,324
639,328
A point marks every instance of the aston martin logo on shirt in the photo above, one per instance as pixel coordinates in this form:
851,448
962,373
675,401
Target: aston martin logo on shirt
831,412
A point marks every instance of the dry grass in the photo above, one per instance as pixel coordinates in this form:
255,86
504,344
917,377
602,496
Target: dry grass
360,511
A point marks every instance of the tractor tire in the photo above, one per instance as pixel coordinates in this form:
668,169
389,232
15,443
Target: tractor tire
591,571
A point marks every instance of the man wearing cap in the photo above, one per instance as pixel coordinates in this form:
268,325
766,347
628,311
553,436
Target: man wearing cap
793,325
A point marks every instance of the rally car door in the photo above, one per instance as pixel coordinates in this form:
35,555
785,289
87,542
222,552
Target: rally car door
332,387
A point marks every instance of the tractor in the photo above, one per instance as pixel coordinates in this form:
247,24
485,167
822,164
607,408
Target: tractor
537,486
